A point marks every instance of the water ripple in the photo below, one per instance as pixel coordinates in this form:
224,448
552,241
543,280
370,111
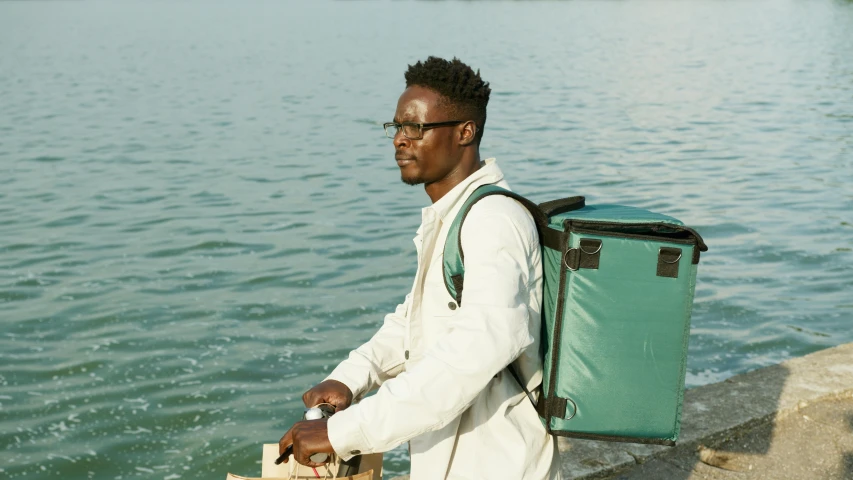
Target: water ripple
192,234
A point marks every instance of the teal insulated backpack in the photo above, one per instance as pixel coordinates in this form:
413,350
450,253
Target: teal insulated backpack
618,292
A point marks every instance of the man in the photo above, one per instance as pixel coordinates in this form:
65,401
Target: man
441,368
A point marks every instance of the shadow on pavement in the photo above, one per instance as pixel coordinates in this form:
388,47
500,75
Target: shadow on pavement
808,440
848,456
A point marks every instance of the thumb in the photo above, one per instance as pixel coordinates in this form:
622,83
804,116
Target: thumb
285,447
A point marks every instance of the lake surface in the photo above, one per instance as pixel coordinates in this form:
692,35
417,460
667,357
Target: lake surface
200,214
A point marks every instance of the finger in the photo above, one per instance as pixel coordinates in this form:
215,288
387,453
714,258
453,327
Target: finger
341,404
314,398
303,457
284,457
334,399
285,444
309,463
309,439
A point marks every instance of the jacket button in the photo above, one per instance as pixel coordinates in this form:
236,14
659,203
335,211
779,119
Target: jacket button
451,305
355,452
406,354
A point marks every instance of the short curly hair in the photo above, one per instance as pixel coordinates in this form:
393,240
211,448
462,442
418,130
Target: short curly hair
466,93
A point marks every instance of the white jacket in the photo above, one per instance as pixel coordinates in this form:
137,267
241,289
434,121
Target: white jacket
441,368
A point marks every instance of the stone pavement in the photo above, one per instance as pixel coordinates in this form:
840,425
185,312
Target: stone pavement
788,421
815,441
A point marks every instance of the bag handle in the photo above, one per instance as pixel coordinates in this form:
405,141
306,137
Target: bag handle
294,470
562,205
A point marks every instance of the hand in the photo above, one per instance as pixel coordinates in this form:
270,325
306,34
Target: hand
307,437
332,392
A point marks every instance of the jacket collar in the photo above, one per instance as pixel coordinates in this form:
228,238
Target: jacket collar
487,174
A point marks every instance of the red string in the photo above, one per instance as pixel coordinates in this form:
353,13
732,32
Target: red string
316,472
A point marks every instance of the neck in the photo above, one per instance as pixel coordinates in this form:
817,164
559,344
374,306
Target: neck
469,164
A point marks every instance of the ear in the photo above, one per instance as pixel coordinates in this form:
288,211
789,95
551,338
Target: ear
467,133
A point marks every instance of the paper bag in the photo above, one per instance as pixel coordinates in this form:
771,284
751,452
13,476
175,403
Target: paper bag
370,468
368,475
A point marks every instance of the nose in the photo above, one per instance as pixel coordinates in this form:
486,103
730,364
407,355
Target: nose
400,140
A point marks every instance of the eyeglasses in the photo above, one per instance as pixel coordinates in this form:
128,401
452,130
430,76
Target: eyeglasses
415,131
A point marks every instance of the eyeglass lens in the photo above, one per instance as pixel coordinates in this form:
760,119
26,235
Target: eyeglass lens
410,131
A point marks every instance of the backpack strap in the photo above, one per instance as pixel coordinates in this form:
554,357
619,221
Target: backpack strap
454,257
454,267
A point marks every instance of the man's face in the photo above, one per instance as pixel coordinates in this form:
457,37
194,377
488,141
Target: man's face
433,157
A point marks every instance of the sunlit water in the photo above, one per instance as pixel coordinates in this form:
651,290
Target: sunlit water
200,216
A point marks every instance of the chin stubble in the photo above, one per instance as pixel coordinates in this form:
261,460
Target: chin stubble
411,181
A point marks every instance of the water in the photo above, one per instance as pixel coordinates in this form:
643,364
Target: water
200,215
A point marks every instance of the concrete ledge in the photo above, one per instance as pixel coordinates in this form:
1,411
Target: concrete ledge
814,441
712,412
718,410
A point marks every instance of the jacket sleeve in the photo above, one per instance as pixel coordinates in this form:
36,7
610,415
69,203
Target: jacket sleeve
486,334
381,358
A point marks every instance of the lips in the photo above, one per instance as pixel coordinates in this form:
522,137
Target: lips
403,160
